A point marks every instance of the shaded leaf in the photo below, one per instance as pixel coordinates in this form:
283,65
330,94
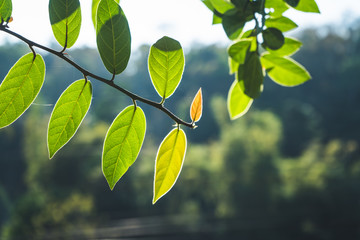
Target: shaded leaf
238,103
240,3
233,22
196,107
250,75
292,3
5,10
282,23
20,87
284,70
65,19
113,36
238,50
68,113
273,38
166,65
94,6
122,143
169,161
290,47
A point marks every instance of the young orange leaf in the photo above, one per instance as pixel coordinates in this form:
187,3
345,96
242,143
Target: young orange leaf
196,107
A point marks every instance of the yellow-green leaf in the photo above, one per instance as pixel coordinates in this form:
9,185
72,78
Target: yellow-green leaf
307,6
238,102
169,161
5,10
196,107
284,70
122,143
20,87
68,113
289,47
166,65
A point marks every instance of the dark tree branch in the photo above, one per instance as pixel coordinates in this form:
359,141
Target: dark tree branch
110,83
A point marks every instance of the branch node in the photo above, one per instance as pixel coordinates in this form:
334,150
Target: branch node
33,51
113,77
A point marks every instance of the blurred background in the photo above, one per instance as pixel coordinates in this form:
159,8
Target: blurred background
288,169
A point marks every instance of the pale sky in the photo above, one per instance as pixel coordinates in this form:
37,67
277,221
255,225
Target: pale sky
188,21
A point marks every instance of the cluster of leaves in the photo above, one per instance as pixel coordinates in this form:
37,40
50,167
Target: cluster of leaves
260,50
126,134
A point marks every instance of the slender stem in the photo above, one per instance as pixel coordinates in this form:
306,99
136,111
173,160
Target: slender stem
110,83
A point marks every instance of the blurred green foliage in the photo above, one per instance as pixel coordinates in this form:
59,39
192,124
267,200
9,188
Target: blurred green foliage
289,169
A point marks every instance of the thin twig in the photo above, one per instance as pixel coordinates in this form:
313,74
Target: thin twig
110,83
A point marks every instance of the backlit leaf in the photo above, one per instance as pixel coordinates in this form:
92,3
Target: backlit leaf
122,143
290,47
169,161
20,87
238,102
65,19
282,23
94,6
166,65
307,6
68,113
5,10
278,7
196,107
222,5
284,70
113,36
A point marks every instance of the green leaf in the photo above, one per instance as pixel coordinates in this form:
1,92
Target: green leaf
238,102
290,47
238,50
233,22
65,19
273,38
166,65
20,87
221,5
250,75
113,36
94,6
5,10
122,143
282,23
307,6
278,7
68,113
284,70
208,4
169,161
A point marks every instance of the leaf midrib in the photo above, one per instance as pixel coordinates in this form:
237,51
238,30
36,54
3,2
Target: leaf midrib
20,87
171,160
118,159
70,116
